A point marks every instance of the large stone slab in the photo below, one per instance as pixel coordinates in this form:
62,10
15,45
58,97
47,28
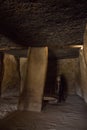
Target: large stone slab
31,96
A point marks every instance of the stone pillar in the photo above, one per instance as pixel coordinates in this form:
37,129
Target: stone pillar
83,65
32,92
23,66
83,69
1,70
85,44
10,76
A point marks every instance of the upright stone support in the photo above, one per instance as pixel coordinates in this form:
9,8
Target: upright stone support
23,67
32,92
11,74
83,66
1,70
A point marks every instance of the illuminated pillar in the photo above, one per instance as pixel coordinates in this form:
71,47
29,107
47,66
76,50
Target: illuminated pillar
32,93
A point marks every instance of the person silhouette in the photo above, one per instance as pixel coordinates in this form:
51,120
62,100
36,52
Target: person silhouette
61,90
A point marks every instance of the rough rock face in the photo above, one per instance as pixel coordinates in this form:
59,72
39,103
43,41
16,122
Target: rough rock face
70,69
23,70
83,66
1,69
83,69
40,23
11,76
7,44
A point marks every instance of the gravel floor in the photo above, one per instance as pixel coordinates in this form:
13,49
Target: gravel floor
8,102
71,115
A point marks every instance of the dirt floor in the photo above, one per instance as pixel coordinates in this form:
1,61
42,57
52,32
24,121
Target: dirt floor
71,115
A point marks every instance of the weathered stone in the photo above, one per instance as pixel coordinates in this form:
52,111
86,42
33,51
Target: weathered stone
83,66
11,76
31,96
70,68
83,69
1,70
85,44
43,23
23,70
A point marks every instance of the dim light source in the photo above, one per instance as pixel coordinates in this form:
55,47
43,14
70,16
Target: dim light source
77,46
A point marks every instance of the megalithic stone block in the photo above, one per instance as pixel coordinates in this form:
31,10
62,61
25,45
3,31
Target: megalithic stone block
1,70
10,74
23,66
83,66
32,92
85,44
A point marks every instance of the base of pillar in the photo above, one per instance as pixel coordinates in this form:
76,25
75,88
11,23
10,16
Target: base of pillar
85,98
36,107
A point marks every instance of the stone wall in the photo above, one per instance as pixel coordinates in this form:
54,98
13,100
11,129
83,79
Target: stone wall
1,69
11,76
23,69
85,44
83,66
33,84
70,68
83,69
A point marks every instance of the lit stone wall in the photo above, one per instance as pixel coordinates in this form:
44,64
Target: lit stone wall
70,68
85,44
11,77
83,66
32,92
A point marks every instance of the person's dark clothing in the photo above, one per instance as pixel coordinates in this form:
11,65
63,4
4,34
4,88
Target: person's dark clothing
62,89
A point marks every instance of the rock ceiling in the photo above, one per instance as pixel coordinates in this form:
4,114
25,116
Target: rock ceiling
51,23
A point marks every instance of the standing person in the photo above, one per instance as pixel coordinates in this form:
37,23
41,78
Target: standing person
61,89
57,87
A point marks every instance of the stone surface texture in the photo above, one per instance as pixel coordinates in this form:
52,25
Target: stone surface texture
31,96
71,115
11,76
39,23
70,68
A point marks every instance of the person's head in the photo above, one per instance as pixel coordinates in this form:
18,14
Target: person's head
58,78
